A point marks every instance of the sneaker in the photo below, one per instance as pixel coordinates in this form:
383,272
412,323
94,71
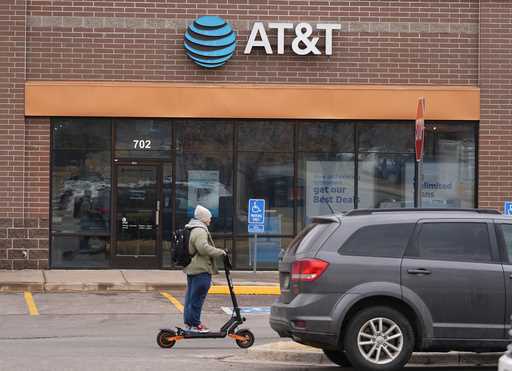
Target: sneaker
199,328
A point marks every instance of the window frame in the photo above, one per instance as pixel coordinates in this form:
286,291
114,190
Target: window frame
413,243
505,258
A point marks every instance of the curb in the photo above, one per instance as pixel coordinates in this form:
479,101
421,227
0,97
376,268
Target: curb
288,351
21,287
11,287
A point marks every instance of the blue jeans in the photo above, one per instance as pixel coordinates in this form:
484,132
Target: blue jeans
197,289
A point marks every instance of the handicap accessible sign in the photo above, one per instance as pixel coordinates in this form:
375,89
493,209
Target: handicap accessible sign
256,215
507,209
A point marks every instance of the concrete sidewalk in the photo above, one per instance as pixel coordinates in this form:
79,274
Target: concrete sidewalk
291,352
129,280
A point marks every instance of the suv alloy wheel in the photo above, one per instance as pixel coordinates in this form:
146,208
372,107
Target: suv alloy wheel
379,338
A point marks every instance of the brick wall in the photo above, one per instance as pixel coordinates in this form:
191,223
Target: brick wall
23,220
382,42
495,183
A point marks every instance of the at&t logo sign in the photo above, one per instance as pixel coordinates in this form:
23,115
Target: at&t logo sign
210,41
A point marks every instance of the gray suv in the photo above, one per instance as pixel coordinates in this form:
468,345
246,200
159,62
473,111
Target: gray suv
371,286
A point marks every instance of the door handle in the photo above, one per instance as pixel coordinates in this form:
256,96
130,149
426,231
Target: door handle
419,271
157,214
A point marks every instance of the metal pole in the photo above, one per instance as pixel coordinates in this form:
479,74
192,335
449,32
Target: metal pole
419,183
255,252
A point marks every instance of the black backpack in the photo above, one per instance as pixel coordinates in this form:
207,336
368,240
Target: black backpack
180,255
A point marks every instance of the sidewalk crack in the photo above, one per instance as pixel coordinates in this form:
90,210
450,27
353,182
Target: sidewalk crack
124,278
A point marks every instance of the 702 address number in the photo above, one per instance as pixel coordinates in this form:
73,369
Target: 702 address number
142,144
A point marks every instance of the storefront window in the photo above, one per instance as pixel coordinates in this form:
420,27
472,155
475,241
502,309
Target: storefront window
381,136
300,168
326,169
265,136
143,138
81,191
204,172
386,167
385,180
449,166
204,136
266,172
167,211
267,250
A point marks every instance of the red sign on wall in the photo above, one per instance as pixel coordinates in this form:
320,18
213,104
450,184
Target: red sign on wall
420,128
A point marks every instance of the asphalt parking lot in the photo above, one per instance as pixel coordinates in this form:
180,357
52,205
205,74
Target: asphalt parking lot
117,331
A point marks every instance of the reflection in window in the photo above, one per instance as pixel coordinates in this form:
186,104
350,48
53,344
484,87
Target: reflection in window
81,191
166,209
449,166
143,138
204,171
326,169
268,176
330,136
267,252
207,180
386,137
267,154
204,136
80,251
385,180
268,136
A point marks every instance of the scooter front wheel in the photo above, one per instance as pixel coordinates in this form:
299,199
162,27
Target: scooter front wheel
162,339
248,338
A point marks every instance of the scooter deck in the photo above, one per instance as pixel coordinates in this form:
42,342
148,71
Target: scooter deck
205,335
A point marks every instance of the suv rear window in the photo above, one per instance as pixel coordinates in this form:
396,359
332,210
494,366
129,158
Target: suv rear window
385,240
304,239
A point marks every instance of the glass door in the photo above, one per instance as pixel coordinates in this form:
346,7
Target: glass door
137,195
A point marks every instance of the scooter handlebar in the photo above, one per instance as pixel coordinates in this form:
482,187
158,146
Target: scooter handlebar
227,261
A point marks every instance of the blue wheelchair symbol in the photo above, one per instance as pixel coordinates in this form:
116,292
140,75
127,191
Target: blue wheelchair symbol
508,208
256,211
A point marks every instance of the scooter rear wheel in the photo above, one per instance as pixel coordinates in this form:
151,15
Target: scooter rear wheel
162,339
249,338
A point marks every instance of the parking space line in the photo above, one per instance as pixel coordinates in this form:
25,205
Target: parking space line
173,300
32,308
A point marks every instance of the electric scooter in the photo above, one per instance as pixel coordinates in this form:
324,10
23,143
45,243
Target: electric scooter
244,338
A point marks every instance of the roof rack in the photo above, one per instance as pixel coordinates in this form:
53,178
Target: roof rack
356,212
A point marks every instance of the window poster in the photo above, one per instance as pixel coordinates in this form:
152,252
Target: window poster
329,183
446,185
204,190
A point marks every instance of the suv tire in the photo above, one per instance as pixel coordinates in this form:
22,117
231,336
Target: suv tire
378,339
337,356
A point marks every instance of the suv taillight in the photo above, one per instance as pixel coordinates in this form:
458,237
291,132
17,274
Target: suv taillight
308,270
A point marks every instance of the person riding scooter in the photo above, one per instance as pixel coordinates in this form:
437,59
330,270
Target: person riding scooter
199,271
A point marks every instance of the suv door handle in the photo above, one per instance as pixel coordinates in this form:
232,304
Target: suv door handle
419,271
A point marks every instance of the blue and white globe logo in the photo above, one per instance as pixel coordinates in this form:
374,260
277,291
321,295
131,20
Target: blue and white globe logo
210,41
